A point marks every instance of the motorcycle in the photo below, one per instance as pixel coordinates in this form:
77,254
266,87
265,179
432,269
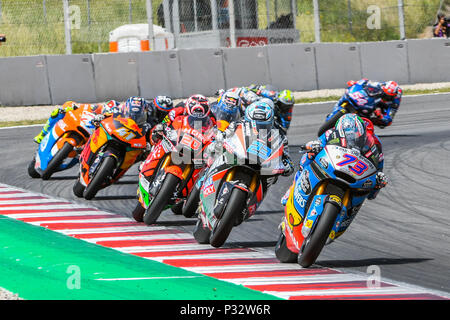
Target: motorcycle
58,150
237,181
322,202
172,167
113,148
356,100
191,203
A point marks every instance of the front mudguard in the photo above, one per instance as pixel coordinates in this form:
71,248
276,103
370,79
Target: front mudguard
315,211
224,196
148,189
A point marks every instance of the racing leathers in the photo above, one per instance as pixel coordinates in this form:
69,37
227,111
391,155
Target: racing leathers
372,150
59,113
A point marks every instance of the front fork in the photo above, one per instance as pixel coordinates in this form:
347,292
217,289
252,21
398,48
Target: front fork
227,187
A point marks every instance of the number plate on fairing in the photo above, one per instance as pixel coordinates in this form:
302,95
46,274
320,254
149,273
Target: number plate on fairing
350,161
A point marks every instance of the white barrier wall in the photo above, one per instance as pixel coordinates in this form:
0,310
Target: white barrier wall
24,81
71,78
42,80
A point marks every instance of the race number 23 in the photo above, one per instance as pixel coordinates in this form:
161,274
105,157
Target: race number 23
359,167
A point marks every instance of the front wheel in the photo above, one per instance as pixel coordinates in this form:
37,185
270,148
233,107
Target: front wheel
106,170
223,226
314,243
57,160
161,199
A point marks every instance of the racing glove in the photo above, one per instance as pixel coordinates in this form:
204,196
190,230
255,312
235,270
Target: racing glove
157,133
97,119
314,146
289,167
381,180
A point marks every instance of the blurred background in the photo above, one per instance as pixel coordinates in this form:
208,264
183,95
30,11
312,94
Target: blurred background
34,27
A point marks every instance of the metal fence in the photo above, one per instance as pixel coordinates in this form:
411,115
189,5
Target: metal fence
33,27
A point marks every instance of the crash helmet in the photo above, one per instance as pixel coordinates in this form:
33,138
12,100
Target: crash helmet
248,97
352,131
111,106
285,99
163,103
135,108
390,90
198,106
261,114
228,108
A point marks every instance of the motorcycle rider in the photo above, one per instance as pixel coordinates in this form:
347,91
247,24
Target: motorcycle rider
350,131
196,105
283,101
59,113
262,116
387,98
228,109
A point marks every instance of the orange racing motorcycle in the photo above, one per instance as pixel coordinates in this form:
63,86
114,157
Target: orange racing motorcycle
172,167
113,148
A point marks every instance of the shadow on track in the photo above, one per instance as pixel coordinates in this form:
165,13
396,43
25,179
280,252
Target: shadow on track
369,262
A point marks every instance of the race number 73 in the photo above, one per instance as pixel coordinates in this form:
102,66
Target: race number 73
359,168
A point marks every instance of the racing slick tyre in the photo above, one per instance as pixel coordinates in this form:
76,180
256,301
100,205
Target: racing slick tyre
78,189
32,171
282,252
138,212
201,233
191,204
54,164
223,226
177,208
314,242
331,122
106,170
161,199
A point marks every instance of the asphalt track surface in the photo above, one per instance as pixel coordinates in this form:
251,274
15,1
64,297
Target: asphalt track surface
404,231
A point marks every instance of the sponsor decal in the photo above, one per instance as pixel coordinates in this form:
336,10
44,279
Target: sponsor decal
299,199
305,183
335,199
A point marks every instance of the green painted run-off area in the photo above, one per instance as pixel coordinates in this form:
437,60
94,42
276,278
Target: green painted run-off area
40,264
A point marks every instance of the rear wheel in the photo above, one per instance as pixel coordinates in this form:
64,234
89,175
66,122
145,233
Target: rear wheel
223,226
314,243
191,204
78,189
32,171
138,212
59,157
106,170
331,122
161,199
282,251
201,233
177,208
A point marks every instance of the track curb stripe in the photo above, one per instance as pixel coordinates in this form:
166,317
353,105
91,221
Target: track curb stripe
253,268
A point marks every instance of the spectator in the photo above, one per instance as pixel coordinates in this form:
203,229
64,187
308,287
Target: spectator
2,38
441,28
